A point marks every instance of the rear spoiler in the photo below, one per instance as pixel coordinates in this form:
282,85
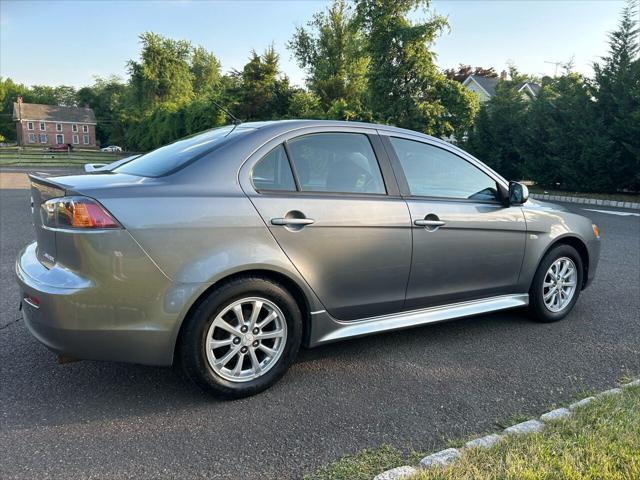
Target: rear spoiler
92,167
107,167
41,179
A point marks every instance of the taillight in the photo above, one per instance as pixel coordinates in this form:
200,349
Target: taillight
76,212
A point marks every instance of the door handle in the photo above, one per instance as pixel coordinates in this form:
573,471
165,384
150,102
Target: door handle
300,222
429,223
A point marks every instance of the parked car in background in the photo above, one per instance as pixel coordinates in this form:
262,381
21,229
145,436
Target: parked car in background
228,250
111,148
62,147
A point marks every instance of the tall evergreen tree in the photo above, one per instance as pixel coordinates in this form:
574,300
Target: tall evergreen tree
405,87
331,50
497,136
617,94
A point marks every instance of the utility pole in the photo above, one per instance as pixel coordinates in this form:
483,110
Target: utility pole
557,64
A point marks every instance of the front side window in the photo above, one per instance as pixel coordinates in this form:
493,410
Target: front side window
434,172
273,172
336,162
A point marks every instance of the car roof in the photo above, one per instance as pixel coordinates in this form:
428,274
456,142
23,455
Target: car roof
282,126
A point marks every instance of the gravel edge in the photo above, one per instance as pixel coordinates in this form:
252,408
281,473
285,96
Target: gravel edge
450,455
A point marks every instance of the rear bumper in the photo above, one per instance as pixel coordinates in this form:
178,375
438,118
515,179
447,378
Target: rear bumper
87,319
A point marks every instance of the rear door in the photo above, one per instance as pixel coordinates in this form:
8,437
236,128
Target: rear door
330,200
466,244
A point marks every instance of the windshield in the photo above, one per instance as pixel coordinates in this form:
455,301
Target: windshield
171,157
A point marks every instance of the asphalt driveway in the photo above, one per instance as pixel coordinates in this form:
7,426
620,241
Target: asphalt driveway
411,389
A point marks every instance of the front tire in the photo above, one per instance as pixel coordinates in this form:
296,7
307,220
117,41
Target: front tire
242,338
556,284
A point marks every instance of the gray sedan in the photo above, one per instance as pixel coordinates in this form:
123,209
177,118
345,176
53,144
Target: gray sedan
228,250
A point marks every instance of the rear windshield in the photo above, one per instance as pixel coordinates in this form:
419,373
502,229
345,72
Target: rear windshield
171,157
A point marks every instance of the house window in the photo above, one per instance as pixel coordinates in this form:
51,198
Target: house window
75,139
74,128
59,138
58,127
43,126
85,139
43,138
32,138
29,125
85,128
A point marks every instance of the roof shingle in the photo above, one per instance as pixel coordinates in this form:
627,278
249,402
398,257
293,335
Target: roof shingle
52,113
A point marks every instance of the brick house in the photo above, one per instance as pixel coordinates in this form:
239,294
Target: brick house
49,125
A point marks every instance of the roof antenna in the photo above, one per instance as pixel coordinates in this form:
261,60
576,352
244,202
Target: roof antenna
233,118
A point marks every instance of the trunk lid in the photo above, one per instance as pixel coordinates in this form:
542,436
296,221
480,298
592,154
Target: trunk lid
41,191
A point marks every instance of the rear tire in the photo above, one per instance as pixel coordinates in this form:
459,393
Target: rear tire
556,285
242,338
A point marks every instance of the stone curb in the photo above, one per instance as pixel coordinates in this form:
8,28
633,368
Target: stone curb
450,455
585,201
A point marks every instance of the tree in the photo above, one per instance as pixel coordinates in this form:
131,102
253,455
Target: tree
205,71
304,104
497,136
405,87
461,73
259,91
563,143
163,73
617,94
107,97
331,50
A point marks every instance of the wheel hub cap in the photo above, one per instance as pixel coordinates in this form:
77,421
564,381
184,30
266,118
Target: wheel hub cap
246,339
559,285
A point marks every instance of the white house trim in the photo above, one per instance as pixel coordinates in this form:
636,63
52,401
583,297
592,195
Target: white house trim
528,87
470,79
57,121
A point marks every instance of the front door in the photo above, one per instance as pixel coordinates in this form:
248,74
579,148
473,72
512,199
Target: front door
326,201
466,244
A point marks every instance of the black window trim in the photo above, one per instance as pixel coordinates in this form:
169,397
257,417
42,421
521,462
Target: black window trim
403,184
386,171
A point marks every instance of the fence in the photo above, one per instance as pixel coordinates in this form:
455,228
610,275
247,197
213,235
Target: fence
25,157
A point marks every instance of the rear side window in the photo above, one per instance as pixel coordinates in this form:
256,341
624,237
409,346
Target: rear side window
171,157
273,172
434,172
336,162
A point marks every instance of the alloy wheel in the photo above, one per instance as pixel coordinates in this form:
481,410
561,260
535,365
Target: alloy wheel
559,285
246,339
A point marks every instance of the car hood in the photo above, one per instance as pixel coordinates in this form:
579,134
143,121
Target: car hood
545,206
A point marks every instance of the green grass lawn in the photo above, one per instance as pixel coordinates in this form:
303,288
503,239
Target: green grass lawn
601,441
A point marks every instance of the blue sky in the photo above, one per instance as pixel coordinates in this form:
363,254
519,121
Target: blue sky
68,42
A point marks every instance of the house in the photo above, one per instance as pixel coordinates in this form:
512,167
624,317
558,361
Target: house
485,87
49,125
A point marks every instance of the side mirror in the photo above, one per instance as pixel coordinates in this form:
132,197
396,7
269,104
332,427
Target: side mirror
518,193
